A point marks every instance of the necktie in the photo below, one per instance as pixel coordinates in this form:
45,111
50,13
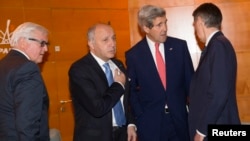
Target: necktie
160,65
118,111
203,52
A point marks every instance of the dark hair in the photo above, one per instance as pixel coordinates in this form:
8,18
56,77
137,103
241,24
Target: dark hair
210,14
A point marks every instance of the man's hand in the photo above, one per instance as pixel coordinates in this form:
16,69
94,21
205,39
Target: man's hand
132,136
119,77
198,137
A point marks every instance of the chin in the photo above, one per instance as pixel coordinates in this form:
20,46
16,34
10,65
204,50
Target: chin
111,55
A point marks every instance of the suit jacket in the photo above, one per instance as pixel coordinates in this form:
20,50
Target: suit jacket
23,100
212,90
93,99
148,96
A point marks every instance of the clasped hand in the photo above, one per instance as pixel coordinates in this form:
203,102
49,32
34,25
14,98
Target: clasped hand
119,76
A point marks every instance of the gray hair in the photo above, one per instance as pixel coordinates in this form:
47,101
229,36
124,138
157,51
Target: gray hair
148,13
91,33
26,30
91,30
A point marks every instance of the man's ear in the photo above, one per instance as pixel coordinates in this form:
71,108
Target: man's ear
90,44
22,43
146,29
200,21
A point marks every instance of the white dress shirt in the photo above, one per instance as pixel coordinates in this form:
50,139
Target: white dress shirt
112,67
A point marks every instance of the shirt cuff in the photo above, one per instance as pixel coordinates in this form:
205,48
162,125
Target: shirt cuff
200,133
129,125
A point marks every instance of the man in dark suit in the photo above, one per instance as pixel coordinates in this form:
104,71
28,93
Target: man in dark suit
159,104
212,90
93,98
23,95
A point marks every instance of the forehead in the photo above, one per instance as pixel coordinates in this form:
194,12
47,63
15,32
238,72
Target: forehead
160,19
104,30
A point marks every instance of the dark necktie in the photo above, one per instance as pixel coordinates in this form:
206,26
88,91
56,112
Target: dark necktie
160,65
118,110
203,52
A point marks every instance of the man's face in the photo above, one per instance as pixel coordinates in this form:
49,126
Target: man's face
199,29
104,44
33,47
158,33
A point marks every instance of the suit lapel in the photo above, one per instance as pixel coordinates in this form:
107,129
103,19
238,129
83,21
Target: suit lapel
206,49
96,67
148,60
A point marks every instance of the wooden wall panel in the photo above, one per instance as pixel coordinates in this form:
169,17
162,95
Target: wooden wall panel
8,22
243,85
93,4
66,118
76,19
12,3
236,24
70,48
120,22
243,104
15,15
123,44
36,4
219,1
70,29
41,16
48,71
165,3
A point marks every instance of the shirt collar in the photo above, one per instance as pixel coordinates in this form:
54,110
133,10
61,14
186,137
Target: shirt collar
210,36
21,52
101,62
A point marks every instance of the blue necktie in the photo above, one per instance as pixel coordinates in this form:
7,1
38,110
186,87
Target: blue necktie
118,111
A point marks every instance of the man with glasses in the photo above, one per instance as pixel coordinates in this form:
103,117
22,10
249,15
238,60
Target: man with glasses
23,95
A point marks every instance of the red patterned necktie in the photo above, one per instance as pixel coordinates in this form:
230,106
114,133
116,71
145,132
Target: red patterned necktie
160,65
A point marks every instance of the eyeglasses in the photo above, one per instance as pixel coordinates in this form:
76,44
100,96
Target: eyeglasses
43,43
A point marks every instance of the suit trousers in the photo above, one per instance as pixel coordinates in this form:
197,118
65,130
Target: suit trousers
120,134
168,132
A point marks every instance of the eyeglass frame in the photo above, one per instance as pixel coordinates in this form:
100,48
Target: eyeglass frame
42,43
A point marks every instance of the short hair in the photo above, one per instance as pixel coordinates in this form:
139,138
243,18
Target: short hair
91,30
91,33
210,14
148,13
26,30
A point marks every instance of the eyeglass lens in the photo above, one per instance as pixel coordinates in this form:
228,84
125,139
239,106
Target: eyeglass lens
43,43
